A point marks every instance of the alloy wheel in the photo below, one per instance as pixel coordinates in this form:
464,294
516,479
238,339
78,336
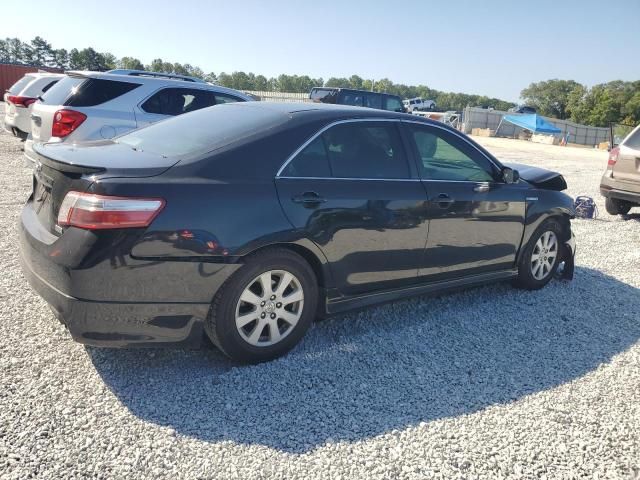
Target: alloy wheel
269,308
544,255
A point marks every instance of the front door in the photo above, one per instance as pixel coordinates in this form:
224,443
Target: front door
351,190
476,220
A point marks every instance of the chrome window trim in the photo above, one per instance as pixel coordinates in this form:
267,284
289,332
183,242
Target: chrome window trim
354,178
377,119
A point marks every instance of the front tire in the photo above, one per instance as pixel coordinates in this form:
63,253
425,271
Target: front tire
541,256
616,207
265,308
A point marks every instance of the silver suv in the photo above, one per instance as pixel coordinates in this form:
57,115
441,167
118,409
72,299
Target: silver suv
620,184
94,106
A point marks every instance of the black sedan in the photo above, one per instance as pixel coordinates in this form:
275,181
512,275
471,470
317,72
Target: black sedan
247,221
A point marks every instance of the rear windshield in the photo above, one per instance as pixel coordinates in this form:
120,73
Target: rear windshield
20,84
633,140
86,92
204,130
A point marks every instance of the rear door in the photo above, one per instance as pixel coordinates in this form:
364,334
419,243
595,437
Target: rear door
476,221
627,168
353,192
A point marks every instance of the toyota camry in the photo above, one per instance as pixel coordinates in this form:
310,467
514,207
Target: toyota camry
245,222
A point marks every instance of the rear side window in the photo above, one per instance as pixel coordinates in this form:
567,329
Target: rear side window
348,98
633,140
313,161
353,150
176,101
95,91
393,104
20,84
373,101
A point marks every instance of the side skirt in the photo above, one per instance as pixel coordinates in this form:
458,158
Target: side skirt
343,304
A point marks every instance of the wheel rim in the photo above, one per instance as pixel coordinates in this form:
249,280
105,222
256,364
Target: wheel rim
544,256
269,308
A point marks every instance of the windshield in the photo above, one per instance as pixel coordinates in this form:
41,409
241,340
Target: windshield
204,130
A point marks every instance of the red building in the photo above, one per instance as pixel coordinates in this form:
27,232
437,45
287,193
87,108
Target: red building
10,73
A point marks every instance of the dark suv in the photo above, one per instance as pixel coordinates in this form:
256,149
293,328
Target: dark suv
357,98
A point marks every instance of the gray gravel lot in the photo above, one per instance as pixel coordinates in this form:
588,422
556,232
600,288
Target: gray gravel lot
487,383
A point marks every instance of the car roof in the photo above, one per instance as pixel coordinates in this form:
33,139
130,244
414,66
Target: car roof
142,80
346,89
310,111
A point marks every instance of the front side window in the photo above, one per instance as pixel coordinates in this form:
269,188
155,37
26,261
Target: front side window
353,150
176,101
393,104
445,157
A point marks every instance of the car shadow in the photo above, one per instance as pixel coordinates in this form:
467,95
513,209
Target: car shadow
386,368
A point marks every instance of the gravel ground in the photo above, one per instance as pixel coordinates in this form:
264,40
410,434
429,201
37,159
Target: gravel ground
488,383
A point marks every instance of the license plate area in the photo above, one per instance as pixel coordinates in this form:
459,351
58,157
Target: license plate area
42,204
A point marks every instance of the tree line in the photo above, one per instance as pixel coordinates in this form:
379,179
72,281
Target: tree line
40,53
615,101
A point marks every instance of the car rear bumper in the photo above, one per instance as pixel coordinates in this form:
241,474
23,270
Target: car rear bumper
626,195
97,312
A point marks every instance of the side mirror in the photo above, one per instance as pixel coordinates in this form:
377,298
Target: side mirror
509,175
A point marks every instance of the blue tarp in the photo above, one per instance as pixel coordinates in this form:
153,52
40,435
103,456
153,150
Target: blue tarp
532,122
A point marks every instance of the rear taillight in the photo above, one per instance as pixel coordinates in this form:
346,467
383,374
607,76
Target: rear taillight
19,101
97,212
613,156
65,122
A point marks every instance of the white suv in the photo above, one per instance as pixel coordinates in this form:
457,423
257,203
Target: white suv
19,98
94,106
419,104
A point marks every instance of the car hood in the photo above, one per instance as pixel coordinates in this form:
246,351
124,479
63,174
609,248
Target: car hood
540,177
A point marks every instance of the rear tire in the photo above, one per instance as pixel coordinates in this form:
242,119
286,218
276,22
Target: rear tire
616,207
265,308
541,257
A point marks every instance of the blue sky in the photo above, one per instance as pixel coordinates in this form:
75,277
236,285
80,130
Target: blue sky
494,48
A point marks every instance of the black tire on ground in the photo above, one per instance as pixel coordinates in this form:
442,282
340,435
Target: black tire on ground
525,278
616,207
220,324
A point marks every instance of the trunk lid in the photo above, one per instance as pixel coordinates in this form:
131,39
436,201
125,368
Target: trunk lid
61,168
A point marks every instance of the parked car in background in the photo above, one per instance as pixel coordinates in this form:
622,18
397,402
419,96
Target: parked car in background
620,184
248,220
21,96
522,109
357,98
96,106
419,104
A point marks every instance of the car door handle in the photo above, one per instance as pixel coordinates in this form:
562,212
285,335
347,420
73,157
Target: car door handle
444,200
482,187
308,199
